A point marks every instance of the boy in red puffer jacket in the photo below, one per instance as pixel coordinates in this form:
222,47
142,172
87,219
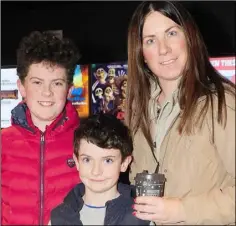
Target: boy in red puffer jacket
37,168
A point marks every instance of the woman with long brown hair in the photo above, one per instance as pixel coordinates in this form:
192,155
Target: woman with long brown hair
182,115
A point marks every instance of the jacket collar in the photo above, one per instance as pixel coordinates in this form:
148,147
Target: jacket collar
118,211
67,119
156,90
75,201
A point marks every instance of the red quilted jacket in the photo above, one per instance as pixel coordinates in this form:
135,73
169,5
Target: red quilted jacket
37,168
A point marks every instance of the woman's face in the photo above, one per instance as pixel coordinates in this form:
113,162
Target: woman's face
164,47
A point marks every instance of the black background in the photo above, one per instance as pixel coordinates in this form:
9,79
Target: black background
100,28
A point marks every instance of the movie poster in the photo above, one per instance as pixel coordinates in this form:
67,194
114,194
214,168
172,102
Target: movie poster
109,82
79,92
226,66
10,96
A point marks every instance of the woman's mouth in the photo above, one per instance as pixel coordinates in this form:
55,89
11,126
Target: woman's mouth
167,62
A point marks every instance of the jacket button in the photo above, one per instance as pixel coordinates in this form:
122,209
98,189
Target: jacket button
165,170
70,162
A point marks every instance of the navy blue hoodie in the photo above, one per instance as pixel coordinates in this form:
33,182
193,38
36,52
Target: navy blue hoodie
118,211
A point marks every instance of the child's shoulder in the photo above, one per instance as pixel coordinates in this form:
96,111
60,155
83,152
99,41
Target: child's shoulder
10,135
128,195
66,212
9,132
75,194
127,190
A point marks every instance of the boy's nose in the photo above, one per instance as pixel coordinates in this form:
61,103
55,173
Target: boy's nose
46,90
97,169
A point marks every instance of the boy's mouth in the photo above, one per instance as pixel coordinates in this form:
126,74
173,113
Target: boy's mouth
46,103
96,180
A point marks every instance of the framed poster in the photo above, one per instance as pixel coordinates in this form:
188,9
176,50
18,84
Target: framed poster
79,92
225,66
109,82
10,96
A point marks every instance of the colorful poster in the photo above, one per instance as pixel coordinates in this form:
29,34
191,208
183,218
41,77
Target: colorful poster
79,92
226,66
109,82
10,96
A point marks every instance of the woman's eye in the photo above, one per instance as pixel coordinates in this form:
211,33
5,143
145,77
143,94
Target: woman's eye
150,41
172,33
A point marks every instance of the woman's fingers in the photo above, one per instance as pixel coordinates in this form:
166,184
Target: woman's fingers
144,208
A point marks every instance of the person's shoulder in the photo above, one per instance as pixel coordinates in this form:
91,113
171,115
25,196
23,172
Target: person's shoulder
128,194
229,95
66,213
60,213
75,193
9,136
9,132
230,100
66,204
127,190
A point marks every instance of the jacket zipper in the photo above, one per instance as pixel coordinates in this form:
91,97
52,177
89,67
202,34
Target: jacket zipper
41,185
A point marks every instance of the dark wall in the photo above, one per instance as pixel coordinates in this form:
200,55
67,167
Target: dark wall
100,28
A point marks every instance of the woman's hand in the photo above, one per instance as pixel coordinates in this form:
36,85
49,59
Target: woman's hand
160,210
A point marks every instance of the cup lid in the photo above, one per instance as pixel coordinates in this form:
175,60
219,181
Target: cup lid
149,176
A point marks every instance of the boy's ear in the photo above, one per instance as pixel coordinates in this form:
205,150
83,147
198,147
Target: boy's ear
69,89
76,161
125,163
21,88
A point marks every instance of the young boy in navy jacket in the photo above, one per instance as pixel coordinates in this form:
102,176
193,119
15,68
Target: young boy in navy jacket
102,149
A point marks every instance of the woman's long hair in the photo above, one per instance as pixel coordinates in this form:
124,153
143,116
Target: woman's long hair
199,76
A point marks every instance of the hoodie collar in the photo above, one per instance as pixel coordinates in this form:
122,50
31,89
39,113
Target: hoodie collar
74,198
66,119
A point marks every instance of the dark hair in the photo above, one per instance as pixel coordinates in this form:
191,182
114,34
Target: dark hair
47,48
199,76
105,131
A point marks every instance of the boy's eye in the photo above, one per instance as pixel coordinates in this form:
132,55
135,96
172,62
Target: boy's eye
58,83
109,161
37,82
85,160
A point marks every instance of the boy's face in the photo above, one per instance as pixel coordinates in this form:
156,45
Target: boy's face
45,91
99,168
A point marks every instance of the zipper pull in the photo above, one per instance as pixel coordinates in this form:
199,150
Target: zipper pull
42,138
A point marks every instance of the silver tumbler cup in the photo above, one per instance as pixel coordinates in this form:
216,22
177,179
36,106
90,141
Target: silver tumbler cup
149,184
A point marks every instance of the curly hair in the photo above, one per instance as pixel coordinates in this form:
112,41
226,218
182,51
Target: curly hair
47,48
105,131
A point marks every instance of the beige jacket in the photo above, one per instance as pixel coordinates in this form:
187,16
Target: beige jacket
198,171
